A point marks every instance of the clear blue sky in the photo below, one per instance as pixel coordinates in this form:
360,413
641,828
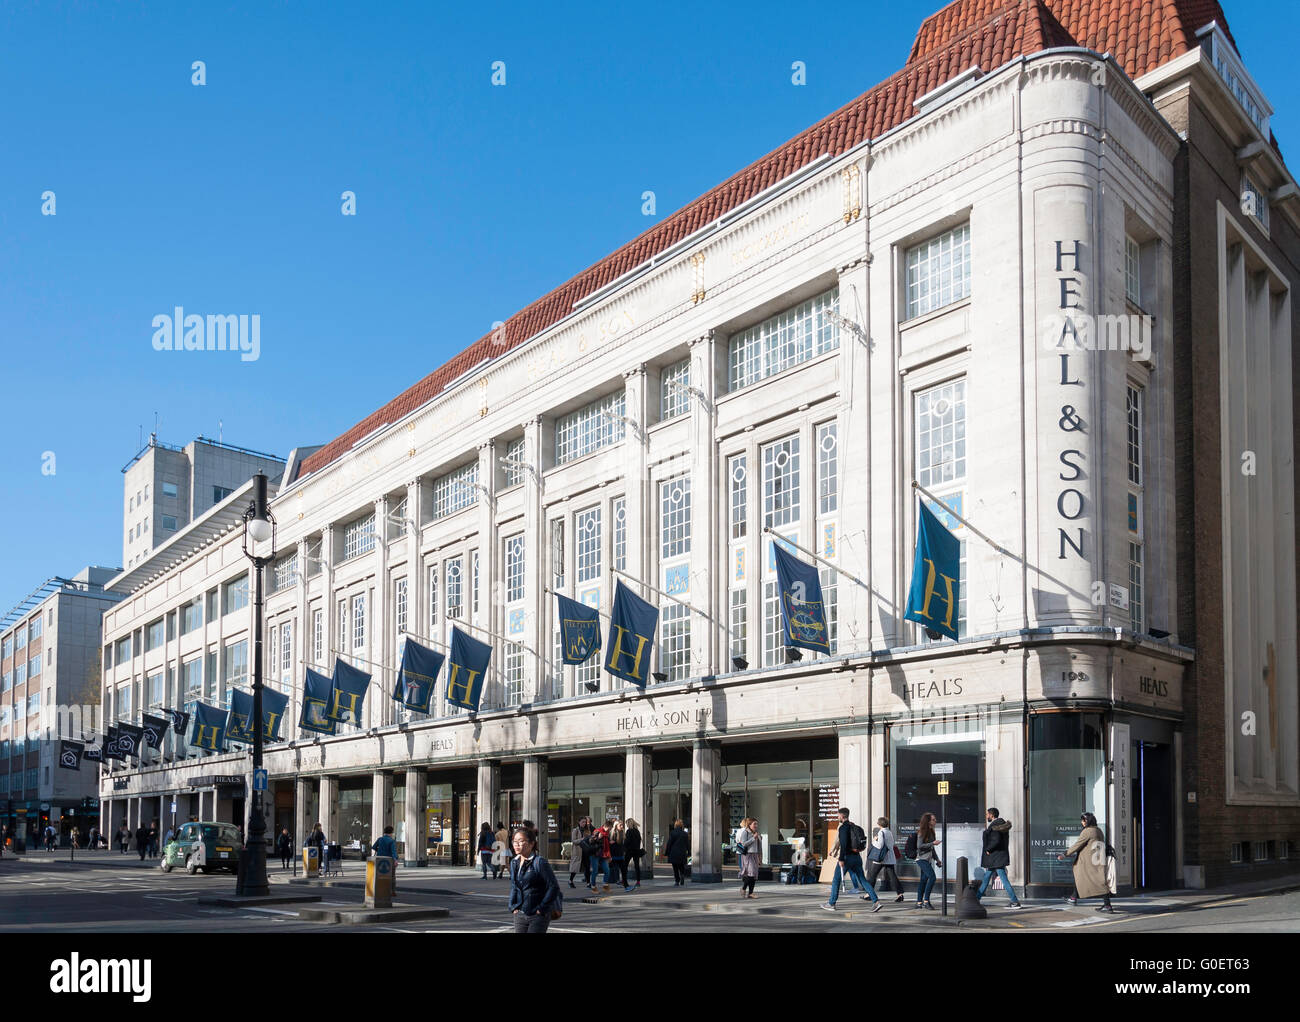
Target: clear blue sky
471,200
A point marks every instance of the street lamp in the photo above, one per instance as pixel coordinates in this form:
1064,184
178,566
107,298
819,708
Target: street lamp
259,526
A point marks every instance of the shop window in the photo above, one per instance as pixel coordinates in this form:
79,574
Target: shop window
1067,777
914,749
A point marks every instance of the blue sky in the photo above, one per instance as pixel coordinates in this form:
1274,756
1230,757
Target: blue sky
472,200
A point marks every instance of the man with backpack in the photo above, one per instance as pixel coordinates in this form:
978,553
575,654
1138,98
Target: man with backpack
851,843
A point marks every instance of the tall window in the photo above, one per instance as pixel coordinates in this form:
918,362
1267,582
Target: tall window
359,537
587,527
674,397
473,584
827,535
192,615
557,553
234,664
783,341
286,572
433,600
941,462
738,555
455,588
399,605
192,679
154,687
1136,526
675,576
235,595
589,429
781,496
317,636
620,533
359,621
286,653
514,569
153,636
1132,270
938,271
341,632
513,463
456,490
514,674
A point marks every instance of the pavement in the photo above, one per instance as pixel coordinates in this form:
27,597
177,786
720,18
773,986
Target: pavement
658,904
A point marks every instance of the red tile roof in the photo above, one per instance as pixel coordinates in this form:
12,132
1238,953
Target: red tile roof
1140,34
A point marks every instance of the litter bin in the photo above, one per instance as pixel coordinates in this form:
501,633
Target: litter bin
379,881
310,861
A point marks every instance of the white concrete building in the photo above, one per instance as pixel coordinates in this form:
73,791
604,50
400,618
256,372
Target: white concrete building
879,302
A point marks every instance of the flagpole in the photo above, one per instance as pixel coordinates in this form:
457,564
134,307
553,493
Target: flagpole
548,589
682,603
820,560
505,638
996,546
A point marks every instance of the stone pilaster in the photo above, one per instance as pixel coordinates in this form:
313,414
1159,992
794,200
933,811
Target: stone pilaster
706,813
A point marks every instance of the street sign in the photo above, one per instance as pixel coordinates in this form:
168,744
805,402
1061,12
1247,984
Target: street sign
259,779
173,808
943,787
941,768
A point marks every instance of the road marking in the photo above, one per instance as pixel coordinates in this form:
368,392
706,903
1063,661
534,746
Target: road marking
1012,922
272,911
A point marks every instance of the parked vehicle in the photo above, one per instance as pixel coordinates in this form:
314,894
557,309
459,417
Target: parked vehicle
220,848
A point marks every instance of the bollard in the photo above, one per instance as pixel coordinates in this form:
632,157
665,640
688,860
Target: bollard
968,905
379,881
310,862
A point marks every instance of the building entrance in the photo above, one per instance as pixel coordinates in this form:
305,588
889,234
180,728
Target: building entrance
1153,816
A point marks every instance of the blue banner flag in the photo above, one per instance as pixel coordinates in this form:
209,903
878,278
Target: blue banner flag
209,728
936,577
273,706
803,611
239,726
579,630
416,676
347,693
316,692
154,729
468,667
632,625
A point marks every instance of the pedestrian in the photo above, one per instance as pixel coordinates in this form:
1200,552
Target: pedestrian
316,839
676,850
93,838
1091,852
49,837
578,859
996,856
386,846
123,838
535,896
617,860
485,839
882,856
142,841
750,850
153,841
284,846
850,843
75,838
927,859
598,847
633,849
500,851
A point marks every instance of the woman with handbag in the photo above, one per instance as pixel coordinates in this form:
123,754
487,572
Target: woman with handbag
535,896
750,848
1090,853
633,848
926,858
882,857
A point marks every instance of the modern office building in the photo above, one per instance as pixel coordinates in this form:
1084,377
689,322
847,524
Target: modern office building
1045,273
51,685
166,487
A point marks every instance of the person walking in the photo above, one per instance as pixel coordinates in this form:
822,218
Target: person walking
996,856
577,853
123,838
50,833
534,892
484,847
153,841
750,849
75,837
633,849
92,838
851,843
598,845
617,856
927,859
883,857
142,841
284,846
1090,853
316,839
500,851
676,851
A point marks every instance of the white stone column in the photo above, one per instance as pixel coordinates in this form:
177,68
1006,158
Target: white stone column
417,586
855,780
636,799
294,710
381,808
328,813
301,807
328,597
489,594
640,531
489,788
709,645
706,813
853,454
416,836
535,795
382,646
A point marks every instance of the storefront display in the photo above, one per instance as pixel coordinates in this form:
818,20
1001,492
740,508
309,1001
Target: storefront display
1067,777
914,751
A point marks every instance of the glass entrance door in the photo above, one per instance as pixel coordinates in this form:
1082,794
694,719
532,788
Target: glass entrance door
466,804
510,808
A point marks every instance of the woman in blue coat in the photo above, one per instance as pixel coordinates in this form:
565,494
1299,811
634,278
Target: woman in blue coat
534,891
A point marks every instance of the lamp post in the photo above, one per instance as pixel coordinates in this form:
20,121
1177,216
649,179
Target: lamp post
259,526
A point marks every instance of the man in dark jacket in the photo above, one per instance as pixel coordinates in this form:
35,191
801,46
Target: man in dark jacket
849,847
997,855
142,840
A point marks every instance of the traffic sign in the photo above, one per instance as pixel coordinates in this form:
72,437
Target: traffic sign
940,768
943,787
173,807
259,779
